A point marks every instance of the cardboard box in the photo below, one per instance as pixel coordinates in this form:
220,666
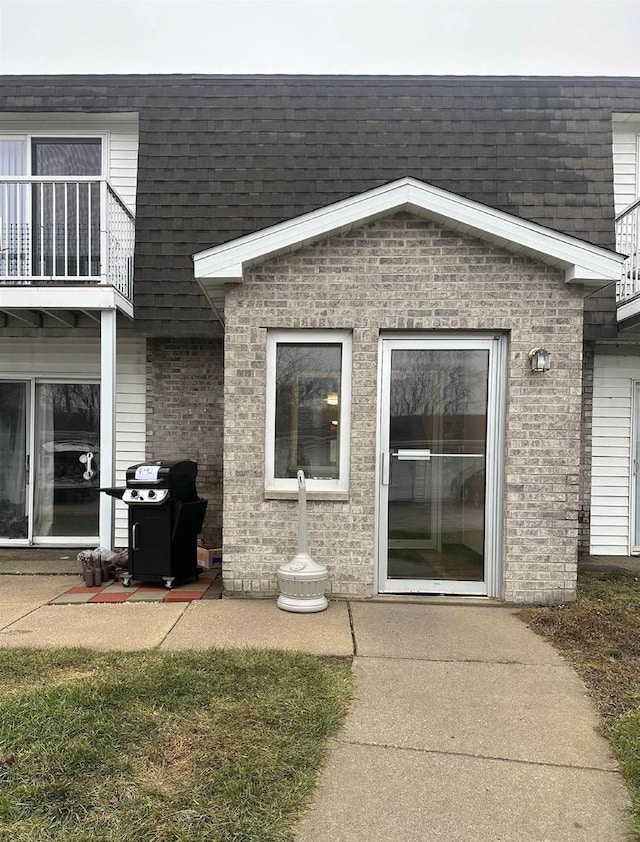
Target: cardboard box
209,558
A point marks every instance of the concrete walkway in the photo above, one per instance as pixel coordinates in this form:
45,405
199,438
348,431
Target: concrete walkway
466,725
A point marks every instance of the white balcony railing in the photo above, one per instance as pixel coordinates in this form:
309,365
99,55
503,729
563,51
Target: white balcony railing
627,232
55,230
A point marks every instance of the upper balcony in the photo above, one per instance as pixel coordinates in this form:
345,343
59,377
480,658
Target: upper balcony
628,288
66,243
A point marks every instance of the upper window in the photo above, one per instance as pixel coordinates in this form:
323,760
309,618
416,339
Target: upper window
66,156
63,156
50,227
308,409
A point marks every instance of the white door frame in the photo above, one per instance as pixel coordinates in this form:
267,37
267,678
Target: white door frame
56,540
31,382
496,344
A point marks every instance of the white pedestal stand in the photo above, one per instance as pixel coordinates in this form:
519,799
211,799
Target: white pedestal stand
302,580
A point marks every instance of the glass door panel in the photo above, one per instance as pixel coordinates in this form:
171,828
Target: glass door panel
66,214
13,460
67,459
436,399
14,210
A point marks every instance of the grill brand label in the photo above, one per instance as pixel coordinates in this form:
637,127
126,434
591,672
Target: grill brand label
147,473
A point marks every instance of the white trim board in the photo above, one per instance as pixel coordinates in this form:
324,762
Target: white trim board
582,262
88,296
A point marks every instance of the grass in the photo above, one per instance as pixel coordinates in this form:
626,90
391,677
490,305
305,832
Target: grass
162,747
600,634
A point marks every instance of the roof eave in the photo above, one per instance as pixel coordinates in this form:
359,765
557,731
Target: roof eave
582,262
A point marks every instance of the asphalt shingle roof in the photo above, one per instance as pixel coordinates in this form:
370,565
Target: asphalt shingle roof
224,156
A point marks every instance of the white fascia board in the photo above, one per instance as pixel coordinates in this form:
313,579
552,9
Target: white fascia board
81,297
528,237
225,263
628,310
589,277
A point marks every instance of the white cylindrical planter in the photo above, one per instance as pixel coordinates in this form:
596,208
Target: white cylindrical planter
302,580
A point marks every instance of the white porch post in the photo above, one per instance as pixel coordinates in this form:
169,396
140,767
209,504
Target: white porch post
107,421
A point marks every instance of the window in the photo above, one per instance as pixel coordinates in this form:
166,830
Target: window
63,156
308,409
66,156
48,227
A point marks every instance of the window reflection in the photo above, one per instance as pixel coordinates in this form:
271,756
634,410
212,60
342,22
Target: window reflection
438,404
308,399
67,459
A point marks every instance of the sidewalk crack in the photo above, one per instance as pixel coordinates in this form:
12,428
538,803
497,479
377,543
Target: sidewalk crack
460,661
173,625
6,628
496,757
354,642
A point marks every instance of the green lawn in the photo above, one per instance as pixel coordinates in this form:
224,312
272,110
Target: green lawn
158,747
600,634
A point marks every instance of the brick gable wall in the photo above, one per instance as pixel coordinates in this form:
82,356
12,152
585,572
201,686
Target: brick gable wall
407,274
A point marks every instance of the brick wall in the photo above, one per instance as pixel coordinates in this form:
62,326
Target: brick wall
184,414
584,535
403,273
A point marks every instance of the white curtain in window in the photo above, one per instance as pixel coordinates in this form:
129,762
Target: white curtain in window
44,462
14,210
13,428
13,157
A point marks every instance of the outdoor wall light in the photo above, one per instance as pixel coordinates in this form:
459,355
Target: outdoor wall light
540,359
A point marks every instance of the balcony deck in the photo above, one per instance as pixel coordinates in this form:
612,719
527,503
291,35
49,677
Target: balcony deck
65,244
627,242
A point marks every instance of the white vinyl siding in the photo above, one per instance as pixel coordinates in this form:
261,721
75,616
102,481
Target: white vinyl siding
131,384
120,132
79,356
625,168
123,165
612,431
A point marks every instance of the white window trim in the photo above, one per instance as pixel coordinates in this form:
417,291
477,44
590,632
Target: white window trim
311,337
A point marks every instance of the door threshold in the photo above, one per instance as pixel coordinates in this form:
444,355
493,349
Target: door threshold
435,599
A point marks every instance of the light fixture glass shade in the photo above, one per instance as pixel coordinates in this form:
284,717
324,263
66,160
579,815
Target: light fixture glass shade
332,399
540,359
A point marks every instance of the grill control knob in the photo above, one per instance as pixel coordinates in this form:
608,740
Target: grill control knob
134,493
152,493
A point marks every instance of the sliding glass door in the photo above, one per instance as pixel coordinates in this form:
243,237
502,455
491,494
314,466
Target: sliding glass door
67,448
49,462
14,436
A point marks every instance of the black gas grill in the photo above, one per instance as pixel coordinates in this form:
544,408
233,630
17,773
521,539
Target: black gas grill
165,518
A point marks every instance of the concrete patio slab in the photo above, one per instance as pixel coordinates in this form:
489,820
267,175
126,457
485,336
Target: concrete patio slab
444,632
39,561
394,795
122,627
487,710
34,589
261,624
